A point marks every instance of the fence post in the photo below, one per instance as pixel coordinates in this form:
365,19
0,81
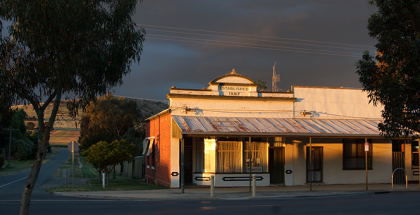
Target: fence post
212,186
254,190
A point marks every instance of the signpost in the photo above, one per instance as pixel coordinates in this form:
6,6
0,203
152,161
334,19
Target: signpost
73,146
65,173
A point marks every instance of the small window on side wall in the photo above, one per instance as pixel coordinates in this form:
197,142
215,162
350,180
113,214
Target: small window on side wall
354,154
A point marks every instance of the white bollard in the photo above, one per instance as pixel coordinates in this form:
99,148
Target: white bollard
103,178
254,190
212,186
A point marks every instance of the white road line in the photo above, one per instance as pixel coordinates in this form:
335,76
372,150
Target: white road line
13,182
55,200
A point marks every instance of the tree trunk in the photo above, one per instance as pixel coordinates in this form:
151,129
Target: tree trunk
114,172
107,182
40,155
100,174
33,176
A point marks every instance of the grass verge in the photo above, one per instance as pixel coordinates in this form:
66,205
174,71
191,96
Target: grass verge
120,183
17,167
89,172
21,166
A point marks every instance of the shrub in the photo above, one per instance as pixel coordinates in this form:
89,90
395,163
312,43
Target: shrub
21,149
1,161
21,156
30,125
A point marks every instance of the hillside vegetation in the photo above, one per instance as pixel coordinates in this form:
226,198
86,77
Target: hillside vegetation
67,129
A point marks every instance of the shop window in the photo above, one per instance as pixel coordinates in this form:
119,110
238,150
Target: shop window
258,156
354,154
205,155
415,154
229,157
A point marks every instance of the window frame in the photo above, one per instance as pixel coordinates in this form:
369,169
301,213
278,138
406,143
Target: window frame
369,155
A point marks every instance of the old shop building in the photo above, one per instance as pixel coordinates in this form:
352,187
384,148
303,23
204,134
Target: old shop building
209,131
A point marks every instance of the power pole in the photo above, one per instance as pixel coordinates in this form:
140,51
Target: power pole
275,79
10,141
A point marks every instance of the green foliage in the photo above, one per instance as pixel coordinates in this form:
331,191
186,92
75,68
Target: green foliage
261,84
107,119
392,77
130,137
34,135
22,148
18,122
1,160
30,125
105,155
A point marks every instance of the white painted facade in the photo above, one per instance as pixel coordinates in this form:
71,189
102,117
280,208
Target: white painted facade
233,95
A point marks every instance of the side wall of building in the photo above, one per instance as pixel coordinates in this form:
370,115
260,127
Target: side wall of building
158,163
334,103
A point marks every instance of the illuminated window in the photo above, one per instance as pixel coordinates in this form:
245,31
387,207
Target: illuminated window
205,155
229,156
259,156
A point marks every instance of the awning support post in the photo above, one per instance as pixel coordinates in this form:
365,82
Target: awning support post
250,167
366,164
310,163
182,164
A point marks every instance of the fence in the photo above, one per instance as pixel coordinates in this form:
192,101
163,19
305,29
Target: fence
133,169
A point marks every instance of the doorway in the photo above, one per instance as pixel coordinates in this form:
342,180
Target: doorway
188,150
317,163
276,165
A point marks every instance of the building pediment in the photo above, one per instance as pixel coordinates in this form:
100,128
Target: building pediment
232,78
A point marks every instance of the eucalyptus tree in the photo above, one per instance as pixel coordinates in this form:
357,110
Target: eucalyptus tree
65,49
107,119
392,76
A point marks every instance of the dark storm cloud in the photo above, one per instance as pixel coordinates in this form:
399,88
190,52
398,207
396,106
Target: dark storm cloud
174,60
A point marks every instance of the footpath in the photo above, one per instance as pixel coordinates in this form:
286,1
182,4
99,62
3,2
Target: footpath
203,193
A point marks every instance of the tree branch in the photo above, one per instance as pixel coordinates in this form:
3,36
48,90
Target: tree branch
50,98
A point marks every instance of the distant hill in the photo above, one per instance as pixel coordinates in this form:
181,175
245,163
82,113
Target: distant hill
63,121
148,108
67,129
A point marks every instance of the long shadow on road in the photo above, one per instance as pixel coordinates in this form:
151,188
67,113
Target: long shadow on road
11,187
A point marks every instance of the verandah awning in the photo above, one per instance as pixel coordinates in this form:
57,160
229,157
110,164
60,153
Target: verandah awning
197,125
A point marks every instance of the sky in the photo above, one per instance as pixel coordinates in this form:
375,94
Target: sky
191,42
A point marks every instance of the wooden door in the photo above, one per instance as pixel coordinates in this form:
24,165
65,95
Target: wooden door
276,165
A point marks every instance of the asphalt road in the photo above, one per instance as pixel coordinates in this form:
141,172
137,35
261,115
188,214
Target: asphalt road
11,188
392,203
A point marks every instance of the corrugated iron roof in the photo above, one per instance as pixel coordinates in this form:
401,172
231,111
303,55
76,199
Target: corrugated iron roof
277,126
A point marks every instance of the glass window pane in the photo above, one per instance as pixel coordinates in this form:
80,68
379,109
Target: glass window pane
199,155
209,154
259,159
354,154
229,156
